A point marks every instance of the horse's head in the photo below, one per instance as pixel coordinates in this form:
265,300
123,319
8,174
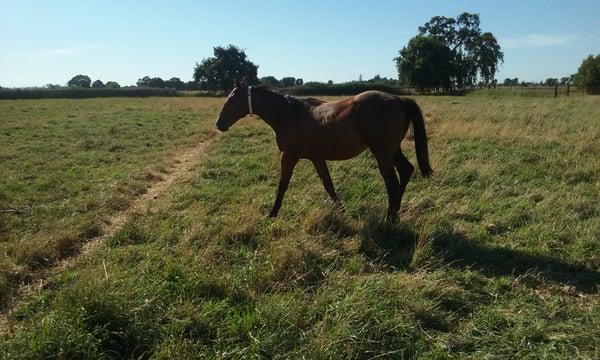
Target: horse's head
235,107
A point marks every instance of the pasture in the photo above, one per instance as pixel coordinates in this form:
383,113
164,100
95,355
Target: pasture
496,255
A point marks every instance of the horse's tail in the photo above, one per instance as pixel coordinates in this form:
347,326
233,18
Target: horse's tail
420,135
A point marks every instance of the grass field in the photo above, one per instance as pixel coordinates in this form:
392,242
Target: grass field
67,164
496,256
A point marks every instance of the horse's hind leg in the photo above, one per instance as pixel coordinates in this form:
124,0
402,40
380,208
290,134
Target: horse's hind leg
386,168
323,172
405,170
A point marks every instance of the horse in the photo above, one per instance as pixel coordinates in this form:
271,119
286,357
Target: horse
339,130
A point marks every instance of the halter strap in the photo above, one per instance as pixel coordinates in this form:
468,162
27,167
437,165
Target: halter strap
250,100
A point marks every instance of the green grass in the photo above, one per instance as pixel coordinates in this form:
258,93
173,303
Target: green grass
496,256
67,164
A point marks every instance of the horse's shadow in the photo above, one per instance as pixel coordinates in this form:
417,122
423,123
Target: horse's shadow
393,245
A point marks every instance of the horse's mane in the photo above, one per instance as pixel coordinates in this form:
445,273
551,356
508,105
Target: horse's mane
291,100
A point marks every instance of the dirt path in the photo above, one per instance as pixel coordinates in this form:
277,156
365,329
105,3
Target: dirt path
178,167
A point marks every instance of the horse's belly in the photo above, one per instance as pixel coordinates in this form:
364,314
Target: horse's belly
334,147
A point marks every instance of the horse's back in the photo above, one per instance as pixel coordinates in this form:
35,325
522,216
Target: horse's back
374,96
342,129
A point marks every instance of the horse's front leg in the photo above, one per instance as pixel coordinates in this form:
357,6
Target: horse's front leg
288,162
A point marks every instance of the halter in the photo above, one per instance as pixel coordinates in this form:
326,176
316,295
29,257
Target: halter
250,101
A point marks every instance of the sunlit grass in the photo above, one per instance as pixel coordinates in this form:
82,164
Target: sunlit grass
496,255
67,164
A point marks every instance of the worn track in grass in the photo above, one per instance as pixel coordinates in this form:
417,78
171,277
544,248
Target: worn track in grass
177,168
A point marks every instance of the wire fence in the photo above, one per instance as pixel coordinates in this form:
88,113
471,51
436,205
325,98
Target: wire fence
530,91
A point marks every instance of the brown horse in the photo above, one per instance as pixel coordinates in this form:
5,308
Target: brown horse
319,131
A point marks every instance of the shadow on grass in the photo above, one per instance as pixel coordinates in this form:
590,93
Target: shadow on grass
458,251
390,244
393,246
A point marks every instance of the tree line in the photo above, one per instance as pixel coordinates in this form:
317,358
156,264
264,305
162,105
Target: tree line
548,82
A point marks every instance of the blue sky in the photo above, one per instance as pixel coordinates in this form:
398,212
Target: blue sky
50,41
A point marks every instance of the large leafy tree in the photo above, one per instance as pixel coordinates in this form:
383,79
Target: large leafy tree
80,81
226,66
588,75
98,84
474,54
425,62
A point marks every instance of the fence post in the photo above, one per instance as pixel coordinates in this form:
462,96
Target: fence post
555,90
568,88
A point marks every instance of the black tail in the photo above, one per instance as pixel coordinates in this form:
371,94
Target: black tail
416,116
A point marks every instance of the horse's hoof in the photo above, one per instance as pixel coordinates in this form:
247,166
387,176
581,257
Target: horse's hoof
392,219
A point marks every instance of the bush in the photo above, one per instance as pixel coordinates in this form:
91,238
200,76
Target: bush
349,88
588,75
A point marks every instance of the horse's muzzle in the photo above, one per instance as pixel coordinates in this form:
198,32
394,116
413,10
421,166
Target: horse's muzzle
222,128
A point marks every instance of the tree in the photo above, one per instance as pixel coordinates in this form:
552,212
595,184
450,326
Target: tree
174,83
425,62
299,82
112,85
507,82
287,81
488,56
565,80
80,81
473,53
143,82
588,75
191,85
551,82
269,81
572,78
221,71
98,84
382,80
157,82
149,82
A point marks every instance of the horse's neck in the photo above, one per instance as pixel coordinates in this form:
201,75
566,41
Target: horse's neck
271,108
